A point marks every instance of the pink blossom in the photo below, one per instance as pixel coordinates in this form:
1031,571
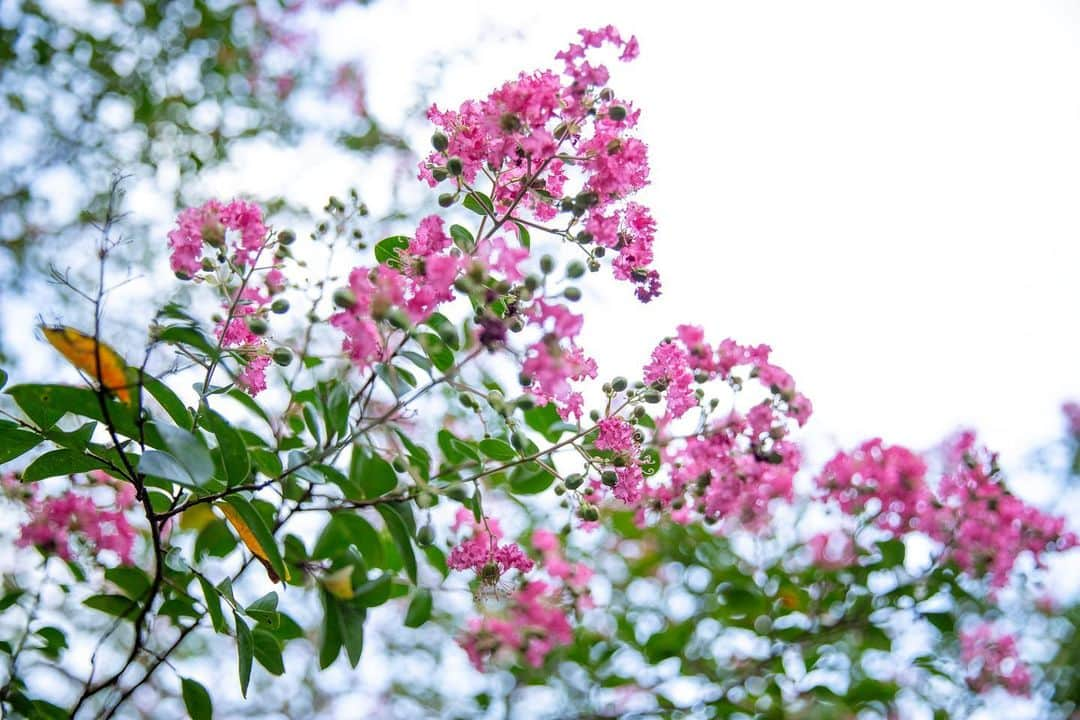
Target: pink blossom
56,521
671,367
1072,417
993,660
831,550
615,434
208,224
482,551
891,476
534,625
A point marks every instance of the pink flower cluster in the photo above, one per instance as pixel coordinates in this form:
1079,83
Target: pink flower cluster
982,526
530,132
617,436
209,224
735,466
56,521
831,550
680,362
535,620
234,333
985,527
555,360
532,625
482,551
416,282
1072,417
890,480
993,660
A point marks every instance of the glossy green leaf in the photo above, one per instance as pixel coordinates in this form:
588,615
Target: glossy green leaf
419,611
196,699
402,538
245,651
234,454
497,449
14,442
61,462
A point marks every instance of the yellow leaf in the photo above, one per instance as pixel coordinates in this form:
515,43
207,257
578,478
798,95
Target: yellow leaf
248,538
339,583
85,353
196,517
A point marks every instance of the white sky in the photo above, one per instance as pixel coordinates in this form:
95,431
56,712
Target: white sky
884,192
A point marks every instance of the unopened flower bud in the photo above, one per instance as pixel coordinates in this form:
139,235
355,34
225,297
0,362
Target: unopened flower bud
280,306
447,199
618,384
590,513
593,265
547,264
651,396
282,356
575,269
345,298
399,464
609,478
286,237
440,142
454,166
573,294
617,113
425,536
257,325
574,481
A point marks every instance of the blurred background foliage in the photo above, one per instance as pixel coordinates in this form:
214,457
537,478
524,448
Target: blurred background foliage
157,91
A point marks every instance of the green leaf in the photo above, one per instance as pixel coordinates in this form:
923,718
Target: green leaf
259,529
526,480
523,236
387,250
212,601
132,580
352,631
497,449
892,553
163,465
375,592
196,699
447,332
371,473
331,630
189,451
463,238
402,538
61,462
117,605
168,400
15,442
245,651
246,400
479,203
345,529
45,404
440,355
268,651
234,455
546,421
419,609
264,610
